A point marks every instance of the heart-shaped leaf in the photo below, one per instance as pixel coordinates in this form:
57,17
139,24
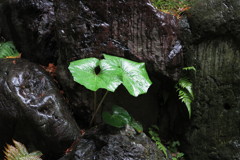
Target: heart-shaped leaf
133,74
119,118
83,72
114,71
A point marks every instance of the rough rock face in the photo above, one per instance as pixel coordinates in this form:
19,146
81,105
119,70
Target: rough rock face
217,18
32,110
214,132
89,28
29,23
104,143
62,31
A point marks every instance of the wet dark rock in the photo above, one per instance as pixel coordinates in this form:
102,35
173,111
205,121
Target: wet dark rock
214,131
32,110
62,31
215,121
107,143
143,34
30,24
211,18
149,34
90,28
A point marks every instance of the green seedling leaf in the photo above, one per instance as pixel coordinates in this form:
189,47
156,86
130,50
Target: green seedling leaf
83,72
137,126
122,112
133,74
113,120
8,50
119,118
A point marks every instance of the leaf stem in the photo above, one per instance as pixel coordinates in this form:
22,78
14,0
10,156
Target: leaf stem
95,101
98,107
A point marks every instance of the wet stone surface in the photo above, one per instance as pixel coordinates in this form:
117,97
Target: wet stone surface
32,110
142,34
107,143
30,25
214,50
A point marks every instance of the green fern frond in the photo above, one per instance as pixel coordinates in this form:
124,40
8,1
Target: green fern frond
190,68
155,137
7,49
186,98
186,84
19,152
185,93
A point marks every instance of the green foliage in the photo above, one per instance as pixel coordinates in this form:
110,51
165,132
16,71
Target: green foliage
7,49
136,125
113,72
155,137
175,7
173,148
120,118
19,152
190,68
185,92
179,155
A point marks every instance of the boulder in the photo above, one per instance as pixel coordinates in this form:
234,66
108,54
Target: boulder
214,131
131,29
210,19
32,110
62,31
30,25
107,143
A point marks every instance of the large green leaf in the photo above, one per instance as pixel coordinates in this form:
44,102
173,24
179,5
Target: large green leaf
119,118
133,74
83,72
7,49
114,71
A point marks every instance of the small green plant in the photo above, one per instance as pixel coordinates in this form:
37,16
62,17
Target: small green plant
153,131
19,152
178,156
120,118
8,50
184,89
174,7
108,74
173,148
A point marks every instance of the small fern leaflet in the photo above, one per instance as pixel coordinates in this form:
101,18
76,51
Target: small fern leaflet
19,152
